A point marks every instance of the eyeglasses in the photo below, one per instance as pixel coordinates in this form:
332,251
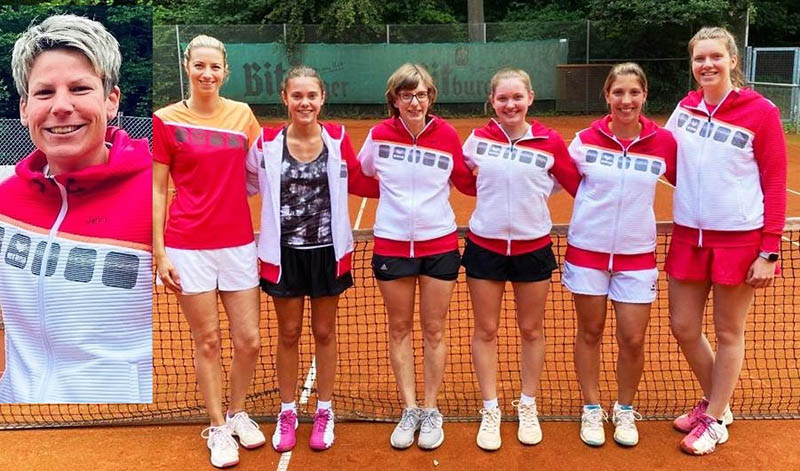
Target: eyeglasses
407,97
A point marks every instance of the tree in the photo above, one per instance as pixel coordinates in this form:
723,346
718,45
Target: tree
131,25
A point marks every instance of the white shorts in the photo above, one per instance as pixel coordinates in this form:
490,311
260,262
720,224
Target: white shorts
228,269
631,286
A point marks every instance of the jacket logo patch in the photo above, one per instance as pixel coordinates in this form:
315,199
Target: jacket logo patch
428,158
80,265
18,249
623,162
343,171
119,269
52,259
715,131
524,156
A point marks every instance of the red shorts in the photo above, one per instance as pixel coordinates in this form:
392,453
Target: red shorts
722,265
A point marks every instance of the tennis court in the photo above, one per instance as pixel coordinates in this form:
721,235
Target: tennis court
769,385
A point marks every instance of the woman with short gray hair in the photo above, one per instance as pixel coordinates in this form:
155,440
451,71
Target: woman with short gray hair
75,219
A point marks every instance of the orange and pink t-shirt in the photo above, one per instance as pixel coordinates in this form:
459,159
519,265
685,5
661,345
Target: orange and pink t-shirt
206,159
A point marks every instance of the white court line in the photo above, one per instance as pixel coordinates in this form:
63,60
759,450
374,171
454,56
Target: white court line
360,213
790,241
310,378
666,183
283,463
793,191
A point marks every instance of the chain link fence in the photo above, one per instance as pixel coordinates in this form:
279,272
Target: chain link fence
775,73
659,48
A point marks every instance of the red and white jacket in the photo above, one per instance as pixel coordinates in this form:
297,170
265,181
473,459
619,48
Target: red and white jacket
414,217
613,226
731,170
76,279
344,174
515,180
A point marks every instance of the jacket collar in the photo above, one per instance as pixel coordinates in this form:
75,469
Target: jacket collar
534,131
602,126
124,160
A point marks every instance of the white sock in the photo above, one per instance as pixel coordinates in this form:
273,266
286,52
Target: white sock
490,404
527,400
322,405
288,406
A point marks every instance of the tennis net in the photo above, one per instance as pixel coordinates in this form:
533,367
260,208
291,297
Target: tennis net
769,386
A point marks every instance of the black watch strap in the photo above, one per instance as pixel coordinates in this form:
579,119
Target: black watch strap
771,256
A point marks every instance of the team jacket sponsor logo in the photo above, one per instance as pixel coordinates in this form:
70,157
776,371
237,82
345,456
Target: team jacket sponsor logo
622,161
713,129
208,137
118,269
415,155
506,152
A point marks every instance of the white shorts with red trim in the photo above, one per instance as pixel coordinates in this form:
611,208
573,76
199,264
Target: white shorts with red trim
228,269
629,286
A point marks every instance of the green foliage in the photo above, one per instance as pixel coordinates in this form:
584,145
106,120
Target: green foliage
550,12
775,23
131,25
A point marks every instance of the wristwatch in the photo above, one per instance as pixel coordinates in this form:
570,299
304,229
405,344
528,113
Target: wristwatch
771,256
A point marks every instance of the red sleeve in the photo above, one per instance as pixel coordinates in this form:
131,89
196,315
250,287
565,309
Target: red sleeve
357,183
564,169
769,147
162,150
462,177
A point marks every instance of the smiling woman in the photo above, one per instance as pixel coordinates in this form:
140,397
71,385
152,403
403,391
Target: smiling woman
75,221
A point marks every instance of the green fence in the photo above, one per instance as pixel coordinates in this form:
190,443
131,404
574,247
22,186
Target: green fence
357,73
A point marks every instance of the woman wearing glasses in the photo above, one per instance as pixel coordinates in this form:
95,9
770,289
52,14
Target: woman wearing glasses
415,155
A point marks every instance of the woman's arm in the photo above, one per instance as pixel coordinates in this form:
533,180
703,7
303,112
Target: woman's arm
166,271
564,169
357,183
161,155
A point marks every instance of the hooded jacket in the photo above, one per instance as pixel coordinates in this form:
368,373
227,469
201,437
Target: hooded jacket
731,170
344,174
613,226
515,179
414,217
76,279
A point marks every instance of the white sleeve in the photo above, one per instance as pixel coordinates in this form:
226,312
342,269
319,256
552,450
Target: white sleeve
252,164
367,156
469,151
672,122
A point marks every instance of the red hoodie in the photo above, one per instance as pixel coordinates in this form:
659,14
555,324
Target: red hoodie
76,279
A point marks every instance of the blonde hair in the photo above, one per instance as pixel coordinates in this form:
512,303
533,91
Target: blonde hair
625,68
727,39
302,71
408,77
509,73
87,36
206,41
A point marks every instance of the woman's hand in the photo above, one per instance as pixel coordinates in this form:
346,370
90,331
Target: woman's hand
168,274
761,273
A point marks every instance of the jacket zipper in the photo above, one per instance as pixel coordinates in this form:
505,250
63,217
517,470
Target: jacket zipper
709,115
413,181
62,213
508,176
621,191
